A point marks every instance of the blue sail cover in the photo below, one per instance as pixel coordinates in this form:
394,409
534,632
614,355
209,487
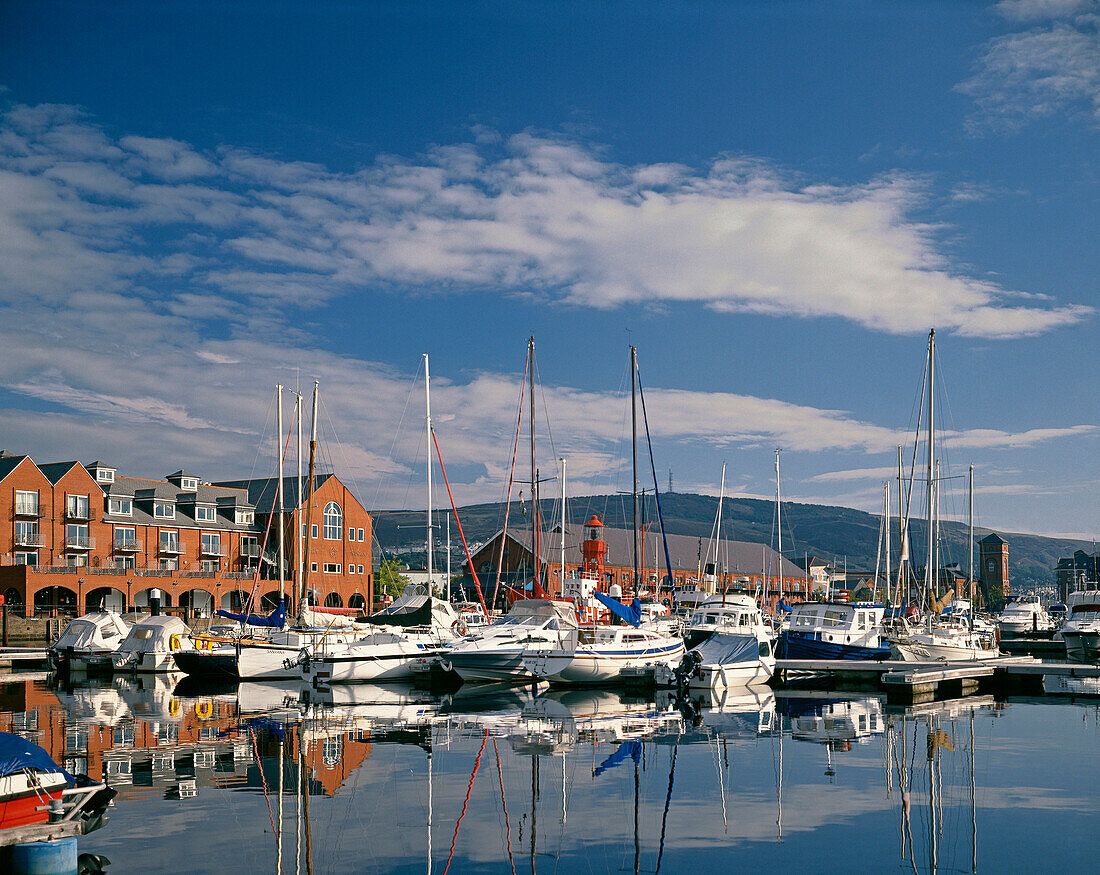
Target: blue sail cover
632,749
630,613
16,754
275,620
783,606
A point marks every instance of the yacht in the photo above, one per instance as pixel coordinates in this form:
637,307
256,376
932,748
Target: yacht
601,653
496,652
150,646
941,642
725,613
1023,616
724,659
1081,631
93,635
834,630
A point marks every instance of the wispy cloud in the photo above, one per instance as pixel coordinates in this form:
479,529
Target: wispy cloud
1051,68
527,214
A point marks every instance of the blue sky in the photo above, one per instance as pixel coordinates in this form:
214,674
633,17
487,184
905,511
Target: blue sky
774,201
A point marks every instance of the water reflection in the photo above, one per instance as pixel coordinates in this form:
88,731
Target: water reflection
285,777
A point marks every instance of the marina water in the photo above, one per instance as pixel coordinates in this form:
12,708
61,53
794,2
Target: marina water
531,780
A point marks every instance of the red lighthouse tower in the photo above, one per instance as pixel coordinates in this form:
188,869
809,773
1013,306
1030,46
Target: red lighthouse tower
594,550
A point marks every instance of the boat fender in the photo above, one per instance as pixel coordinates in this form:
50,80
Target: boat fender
459,627
174,707
203,710
174,642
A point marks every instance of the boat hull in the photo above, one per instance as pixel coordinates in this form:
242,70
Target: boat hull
21,798
797,645
1082,646
922,651
489,665
721,677
367,665
586,666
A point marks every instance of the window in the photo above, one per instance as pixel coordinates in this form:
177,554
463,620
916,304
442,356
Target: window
77,506
169,542
125,562
26,503
313,567
250,548
332,568
104,475
209,564
245,517
211,544
26,533
362,536
188,484
360,569
76,535
169,564
205,513
120,506
314,531
164,509
125,538
333,521
22,558
76,560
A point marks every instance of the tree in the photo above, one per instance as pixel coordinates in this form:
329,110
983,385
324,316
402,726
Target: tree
390,579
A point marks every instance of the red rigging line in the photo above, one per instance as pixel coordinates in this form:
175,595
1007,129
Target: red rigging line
469,561
466,801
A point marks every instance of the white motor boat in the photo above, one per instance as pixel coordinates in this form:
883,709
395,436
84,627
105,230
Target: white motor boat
152,645
941,642
496,652
739,614
723,660
94,636
1081,631
601,653
1023,616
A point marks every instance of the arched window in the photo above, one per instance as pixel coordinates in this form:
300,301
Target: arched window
333,521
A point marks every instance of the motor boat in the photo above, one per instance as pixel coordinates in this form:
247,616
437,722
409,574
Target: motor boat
834,630
90,637
151,645
1081,631
602,653
723,659
496,652
1023,616
732,613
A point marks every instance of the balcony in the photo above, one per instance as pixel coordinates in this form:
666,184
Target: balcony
127,545
79,542
83,514
28,539
171,548
26,511
250,551
215,549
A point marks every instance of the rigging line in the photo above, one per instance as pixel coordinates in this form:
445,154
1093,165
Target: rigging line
263,781
458,522
504,803
511,480
397,433
668,800
656,490
545,409
466,801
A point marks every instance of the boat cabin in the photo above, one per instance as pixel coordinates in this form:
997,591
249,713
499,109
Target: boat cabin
838,622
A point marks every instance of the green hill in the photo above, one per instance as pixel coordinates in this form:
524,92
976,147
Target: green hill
830,533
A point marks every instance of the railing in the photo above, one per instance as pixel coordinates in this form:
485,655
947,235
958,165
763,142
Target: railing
152,572
127,545
207,574
28,540
79,542
214,549
250,551
79,513
111,569
26,510
238,575
172,547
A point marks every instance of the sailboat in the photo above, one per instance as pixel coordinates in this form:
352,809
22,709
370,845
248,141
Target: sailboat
937,640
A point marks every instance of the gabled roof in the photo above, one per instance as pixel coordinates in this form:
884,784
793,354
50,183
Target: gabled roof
263,492
54,471
992,538
9,464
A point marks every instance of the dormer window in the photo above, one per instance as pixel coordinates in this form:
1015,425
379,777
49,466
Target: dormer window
164,509
189,484
120,506
104,475
245,517
205,513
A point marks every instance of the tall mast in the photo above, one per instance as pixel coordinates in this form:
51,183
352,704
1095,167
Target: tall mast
561,592
428,421
931,458
903,536
279,488
309,496
634,451
534,472
779,527
301,536
886,491
970,544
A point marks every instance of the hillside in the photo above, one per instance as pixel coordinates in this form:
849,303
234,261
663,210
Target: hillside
808,529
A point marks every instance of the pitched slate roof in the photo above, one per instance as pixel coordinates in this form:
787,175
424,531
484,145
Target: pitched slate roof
9,464
262,492
54,471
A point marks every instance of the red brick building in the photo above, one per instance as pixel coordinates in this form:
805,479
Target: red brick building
78,537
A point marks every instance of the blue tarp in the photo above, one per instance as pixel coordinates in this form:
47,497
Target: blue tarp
632,749
16,754
632,613
783,606
727,648
275,620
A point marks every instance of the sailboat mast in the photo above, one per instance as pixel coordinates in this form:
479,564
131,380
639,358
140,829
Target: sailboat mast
309,496
931,459
298,494
561,591
634,452
718,524
428,422
534,472
279,489
779,529
970,544
886,492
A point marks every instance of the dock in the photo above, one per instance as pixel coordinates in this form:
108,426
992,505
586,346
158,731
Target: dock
914,682
22,657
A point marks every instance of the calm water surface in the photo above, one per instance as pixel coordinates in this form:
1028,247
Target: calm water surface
399,780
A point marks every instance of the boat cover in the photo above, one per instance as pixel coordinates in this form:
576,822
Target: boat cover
631,613
416,611
725,648
275,620
783,606
16,754
632,749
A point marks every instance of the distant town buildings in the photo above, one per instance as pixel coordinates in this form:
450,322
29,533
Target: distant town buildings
1079,571
82,537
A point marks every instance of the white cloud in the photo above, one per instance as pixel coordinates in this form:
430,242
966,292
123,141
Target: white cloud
1051,68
